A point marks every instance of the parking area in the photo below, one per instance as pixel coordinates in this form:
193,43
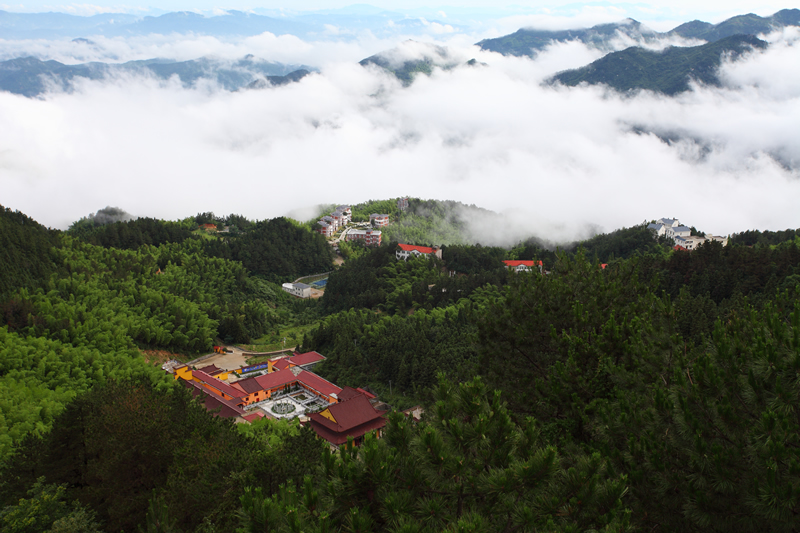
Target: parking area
228,361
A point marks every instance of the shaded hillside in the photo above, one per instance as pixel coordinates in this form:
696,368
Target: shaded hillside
30,76
667,72
25,251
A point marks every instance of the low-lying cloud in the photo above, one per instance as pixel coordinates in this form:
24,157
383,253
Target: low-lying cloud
554,160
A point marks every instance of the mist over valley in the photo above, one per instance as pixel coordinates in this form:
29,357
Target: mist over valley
161,124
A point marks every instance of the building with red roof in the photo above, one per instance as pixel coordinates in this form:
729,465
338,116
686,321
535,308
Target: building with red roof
216,386
404,251
260,388
522,265
350,418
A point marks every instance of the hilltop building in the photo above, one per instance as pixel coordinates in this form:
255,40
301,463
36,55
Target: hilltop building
379,220
523,266
682,235
354,417
368,236
402,204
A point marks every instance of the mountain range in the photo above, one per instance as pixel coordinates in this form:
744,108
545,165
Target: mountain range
528,42
634,68
668,72
30,76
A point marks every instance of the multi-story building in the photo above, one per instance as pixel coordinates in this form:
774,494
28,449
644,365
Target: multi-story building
325,229
368,236
402,204
379,220
347,213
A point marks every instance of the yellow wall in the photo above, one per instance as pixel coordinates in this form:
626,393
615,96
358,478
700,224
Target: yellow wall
183,372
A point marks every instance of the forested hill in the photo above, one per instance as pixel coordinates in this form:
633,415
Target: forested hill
668,72
628,386
528,42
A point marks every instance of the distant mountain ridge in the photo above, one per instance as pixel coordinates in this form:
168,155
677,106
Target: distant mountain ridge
528,42
667,72
30,76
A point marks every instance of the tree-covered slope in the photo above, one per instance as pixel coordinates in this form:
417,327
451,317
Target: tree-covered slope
667,72
25,251
749,24
528,42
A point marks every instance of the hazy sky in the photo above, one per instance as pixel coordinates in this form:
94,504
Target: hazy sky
710,10
553,160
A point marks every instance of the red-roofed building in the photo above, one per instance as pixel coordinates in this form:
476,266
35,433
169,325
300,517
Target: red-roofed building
307,360
404,251
349,392
351,418
262,388
522,265
215,386
214,403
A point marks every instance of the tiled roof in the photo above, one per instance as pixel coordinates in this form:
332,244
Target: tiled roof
420,249
348,414
286,376
252,417
515,262
282,363
217,384
276,379
301,359
317,383
349,392
354,417
248,385
340,438
212,402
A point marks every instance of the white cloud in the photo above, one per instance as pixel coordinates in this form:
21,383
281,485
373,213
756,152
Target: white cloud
555,160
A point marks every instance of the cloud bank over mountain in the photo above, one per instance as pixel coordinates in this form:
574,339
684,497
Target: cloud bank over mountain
554,160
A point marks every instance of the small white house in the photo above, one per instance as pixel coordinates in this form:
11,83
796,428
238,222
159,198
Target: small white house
301,290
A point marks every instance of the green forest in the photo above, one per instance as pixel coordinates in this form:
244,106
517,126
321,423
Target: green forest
629,387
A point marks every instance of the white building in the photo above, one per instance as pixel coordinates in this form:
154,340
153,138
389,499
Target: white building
404,251
678,231
661,225
301,290
368,236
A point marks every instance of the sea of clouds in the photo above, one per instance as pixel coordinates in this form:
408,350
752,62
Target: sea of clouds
554,160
